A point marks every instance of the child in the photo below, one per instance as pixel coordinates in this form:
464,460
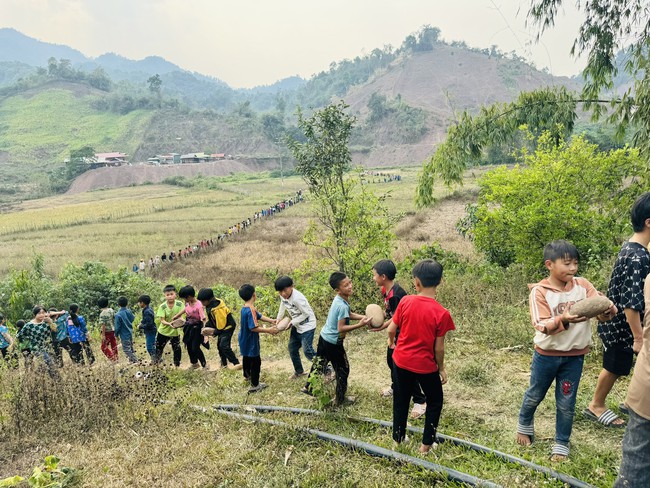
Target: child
622,336
303,323
561,342
330,343
6,341
23,346
106,322
194,320
383,274
148,325
36,335
221,320
418,358
166,333
124,329
60,336
249,337
79,337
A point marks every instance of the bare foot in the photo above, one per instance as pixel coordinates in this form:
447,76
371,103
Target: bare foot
425,448
558,458
523,439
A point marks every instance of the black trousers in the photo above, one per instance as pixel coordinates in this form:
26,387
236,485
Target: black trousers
431,385
76,353
418,396
192,339
252,367
161,342
224,339
327,352
90,357
57,347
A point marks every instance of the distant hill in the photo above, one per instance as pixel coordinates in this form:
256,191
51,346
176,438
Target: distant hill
404,100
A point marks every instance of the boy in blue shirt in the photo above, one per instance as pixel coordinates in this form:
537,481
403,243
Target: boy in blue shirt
249,339
330,343
148,325
124,329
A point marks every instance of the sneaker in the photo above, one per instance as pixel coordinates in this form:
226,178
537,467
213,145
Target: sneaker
255,389
296,376
235,367
419,409
387,392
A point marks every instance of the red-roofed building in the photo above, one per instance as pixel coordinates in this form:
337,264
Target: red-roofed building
110,159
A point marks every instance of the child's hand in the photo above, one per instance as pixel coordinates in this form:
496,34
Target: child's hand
569,318
365,320
608,314
443,376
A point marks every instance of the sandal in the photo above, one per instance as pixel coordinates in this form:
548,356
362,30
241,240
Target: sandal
607,418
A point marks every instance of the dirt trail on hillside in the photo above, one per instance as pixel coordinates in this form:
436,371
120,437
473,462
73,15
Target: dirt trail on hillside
145,173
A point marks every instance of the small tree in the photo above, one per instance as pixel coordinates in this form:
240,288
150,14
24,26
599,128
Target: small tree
78,162
356,222
155,84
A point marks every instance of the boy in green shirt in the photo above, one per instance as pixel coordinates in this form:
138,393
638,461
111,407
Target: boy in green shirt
166,332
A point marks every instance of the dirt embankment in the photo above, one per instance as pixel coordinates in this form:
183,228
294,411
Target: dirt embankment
145,173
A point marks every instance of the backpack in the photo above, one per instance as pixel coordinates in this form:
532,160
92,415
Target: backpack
222,317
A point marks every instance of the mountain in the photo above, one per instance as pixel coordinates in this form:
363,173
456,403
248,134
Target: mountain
15,46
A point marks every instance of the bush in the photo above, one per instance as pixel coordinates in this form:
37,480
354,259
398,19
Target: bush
570,191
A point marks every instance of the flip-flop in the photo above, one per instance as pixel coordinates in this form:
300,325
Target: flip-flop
607,418
624,410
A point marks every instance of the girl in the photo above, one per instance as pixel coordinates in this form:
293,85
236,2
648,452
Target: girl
195,318
79,337
37,335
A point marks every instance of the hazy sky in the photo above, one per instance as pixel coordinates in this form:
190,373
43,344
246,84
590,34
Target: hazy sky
253,42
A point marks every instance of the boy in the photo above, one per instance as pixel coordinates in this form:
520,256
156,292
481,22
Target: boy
60,336
166,333
124,329
303,323
418,358
148,325
622,336
561,342
106,323
194,320
330,342
221,320
635,465
249,337
383,274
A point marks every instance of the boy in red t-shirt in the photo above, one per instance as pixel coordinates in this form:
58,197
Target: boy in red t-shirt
418,358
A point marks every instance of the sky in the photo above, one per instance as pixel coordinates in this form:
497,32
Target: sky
248,43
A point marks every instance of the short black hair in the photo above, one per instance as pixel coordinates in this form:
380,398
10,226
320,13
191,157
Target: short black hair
187,291
169,288
246,292
205,294
53,309
20,324
428,271
146,299
122,301
102,302
560,249
386,267
336,278
36,309
640,212
74,308
283,282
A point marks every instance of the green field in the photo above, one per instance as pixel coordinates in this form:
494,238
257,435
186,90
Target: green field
144,444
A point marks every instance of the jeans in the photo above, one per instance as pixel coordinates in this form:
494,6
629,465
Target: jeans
150,341
566,371
161,342
405,383
635,466
127,347
251,368
335,354
296,341
224,339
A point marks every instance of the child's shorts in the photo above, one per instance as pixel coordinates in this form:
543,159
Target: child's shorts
618,360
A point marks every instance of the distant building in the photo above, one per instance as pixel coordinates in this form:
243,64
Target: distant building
171,158
194,158
217,157
109,159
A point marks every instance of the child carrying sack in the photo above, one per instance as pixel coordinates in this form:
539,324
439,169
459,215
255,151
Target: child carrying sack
219,319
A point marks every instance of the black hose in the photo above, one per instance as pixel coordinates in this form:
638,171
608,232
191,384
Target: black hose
570,480
371,449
